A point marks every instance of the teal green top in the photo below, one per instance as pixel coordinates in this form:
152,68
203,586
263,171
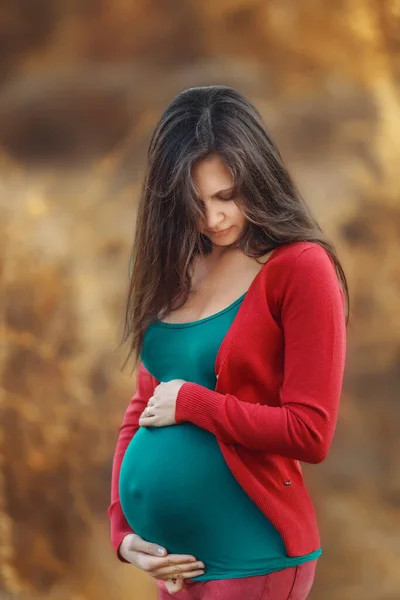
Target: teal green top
175,487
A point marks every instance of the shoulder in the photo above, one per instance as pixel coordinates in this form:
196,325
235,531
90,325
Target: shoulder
288,256
300,265
299,256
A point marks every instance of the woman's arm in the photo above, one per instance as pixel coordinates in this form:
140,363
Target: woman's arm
130,424
313,321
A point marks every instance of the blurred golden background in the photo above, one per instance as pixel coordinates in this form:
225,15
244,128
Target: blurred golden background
82,85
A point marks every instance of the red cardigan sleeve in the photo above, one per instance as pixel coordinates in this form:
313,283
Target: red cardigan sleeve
302,427
130,424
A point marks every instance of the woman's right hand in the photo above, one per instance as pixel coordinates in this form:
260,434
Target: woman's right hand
155,561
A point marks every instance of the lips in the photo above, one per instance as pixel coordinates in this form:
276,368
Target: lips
220,231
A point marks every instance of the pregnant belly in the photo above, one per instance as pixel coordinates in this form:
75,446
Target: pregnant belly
177,491
167,484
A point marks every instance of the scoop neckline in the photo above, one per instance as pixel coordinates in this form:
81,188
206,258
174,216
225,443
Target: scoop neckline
224,310
200,321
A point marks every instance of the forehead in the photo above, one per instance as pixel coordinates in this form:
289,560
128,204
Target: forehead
212,175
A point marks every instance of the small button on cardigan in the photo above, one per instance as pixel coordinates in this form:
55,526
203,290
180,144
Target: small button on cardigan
279,378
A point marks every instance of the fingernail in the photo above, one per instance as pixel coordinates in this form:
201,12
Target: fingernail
161,551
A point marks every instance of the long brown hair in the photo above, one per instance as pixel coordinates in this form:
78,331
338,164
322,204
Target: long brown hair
199,122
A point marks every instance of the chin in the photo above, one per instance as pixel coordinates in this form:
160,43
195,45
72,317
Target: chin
225,240
228,240
224,244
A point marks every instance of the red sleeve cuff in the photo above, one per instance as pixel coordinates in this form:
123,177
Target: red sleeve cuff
198,405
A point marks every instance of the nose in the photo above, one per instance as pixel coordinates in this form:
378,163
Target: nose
214,218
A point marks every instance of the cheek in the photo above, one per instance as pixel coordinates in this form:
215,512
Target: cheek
239,218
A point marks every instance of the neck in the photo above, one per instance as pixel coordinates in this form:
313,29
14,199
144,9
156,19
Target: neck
218,252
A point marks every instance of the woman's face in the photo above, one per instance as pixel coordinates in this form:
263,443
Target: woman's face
214,186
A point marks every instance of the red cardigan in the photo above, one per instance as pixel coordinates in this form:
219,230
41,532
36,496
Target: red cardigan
279,378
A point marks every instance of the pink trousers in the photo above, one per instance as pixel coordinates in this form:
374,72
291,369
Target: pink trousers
293,583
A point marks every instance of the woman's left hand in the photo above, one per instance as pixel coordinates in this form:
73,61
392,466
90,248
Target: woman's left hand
160,409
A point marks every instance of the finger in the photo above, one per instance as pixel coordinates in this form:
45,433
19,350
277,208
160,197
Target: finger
179,569
147,421
148,413
174,586
177,559
175,576
182,575
153,400
154,564
146,547
192,574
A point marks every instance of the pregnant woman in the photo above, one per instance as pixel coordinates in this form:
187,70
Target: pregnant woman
236,314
